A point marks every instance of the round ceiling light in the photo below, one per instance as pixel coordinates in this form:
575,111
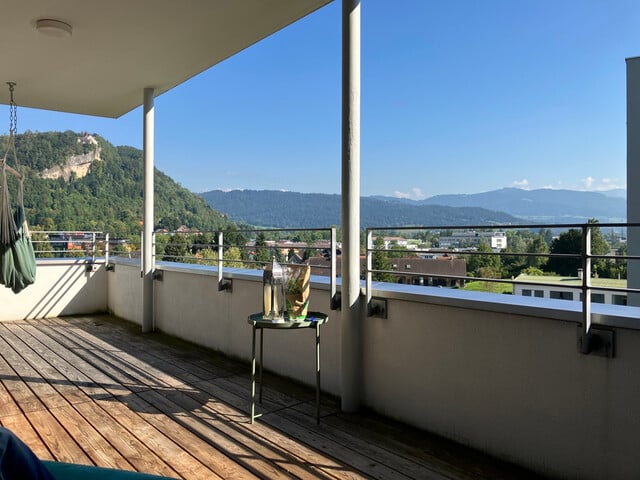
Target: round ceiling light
53,28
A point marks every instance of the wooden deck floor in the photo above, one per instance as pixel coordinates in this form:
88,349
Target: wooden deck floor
92,390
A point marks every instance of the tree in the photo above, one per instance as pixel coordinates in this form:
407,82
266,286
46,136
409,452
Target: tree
262,252
537,245
399,251
233,257
570,242
477,261
380,261
176,249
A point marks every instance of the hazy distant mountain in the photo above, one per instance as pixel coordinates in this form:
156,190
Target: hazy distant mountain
542,205
616,193
269,208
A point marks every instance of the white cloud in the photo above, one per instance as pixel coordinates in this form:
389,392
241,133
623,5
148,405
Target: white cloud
588,182
602,184
524,183
413,194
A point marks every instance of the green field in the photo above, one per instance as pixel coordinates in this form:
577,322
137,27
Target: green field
493,287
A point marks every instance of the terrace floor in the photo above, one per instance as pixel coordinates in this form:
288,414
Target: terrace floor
93,390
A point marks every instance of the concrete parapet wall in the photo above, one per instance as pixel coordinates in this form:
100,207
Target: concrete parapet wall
62,287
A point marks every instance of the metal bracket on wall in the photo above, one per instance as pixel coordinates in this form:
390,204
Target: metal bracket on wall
377,307
158,275
91,267
111,267
336,301
225,285
599,342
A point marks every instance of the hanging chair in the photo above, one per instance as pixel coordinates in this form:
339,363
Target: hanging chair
17,258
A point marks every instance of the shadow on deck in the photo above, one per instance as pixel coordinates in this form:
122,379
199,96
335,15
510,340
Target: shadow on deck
94,390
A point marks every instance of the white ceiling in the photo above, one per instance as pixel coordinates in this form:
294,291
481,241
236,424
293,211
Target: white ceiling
119,47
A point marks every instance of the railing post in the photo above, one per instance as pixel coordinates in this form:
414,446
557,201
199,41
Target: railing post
586,289
106,249
148,223
222,283
334,298
369,263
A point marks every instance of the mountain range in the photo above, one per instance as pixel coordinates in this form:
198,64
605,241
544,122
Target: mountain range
271,208
542,205
82,182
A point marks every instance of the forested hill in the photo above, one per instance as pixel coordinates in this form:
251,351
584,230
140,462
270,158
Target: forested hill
93,185
269,208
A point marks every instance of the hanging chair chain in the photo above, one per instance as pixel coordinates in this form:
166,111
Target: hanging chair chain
13,114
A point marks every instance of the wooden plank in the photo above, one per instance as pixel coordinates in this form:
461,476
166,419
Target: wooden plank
22,394
90,441
8,406
264,458
128,444
136,352
230,391
62,446
179,459
185,428
230,404
19,425
35,356
109,367
73,366
204,363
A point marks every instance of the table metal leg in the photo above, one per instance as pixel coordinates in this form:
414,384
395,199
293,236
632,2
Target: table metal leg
253,374
317,373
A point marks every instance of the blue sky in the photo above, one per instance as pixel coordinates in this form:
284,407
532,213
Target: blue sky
458,96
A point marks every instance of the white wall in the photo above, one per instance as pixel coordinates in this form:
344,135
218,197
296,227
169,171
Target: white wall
62,287
512,385
124,290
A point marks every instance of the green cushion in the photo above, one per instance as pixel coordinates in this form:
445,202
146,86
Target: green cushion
71,471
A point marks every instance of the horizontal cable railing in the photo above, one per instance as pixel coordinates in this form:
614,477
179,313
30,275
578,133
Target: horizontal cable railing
89,245
491,259
470,251
251,249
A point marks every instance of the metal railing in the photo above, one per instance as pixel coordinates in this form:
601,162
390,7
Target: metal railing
584,258
215,249
89,245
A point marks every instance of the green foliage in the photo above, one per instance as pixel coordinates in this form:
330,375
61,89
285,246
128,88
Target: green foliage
399,251
262,252
110,197
477,261
380,261
533,271
176,249
571,242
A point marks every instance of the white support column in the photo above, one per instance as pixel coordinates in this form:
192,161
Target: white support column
351,346
148,222
633,174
